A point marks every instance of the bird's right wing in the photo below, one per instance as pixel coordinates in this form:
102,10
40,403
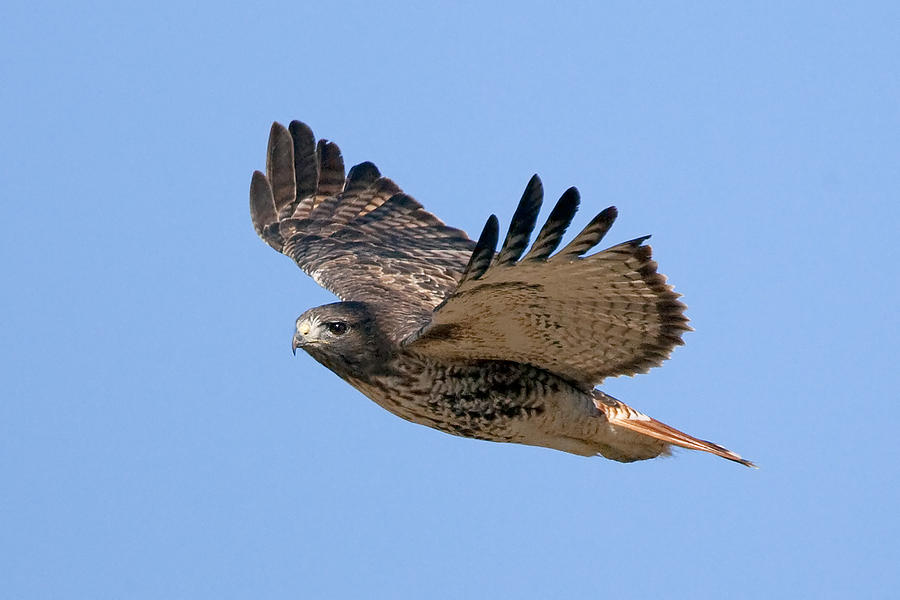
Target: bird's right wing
583,318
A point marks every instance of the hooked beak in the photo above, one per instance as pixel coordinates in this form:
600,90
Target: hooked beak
300,336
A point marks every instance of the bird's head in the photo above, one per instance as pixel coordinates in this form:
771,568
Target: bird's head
344,336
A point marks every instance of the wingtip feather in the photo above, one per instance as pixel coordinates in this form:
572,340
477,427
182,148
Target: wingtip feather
262,209
522,223
555,227
483,253
591,235
280,166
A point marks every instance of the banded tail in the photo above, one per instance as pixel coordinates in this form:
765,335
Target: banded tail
620,415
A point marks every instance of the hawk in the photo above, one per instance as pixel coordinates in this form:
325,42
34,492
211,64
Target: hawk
450,333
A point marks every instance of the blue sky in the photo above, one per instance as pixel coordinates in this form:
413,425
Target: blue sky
158,440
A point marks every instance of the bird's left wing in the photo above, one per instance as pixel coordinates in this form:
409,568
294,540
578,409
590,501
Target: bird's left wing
357,234
582,317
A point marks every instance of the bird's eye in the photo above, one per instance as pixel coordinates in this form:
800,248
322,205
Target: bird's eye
337,328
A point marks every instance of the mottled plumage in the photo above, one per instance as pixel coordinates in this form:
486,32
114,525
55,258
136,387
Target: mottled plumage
442,331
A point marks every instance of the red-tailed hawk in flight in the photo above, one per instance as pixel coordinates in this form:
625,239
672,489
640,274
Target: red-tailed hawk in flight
504,346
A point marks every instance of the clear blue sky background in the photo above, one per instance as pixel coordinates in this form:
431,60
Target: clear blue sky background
158,440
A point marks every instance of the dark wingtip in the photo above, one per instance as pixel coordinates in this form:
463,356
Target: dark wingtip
522,223
301,129
640,240
278,134
591,235
306,170
553,230
279,166
364,171
361,176
483,254
262,209
331,168
262,205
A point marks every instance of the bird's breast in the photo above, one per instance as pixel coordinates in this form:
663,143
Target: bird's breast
489,400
